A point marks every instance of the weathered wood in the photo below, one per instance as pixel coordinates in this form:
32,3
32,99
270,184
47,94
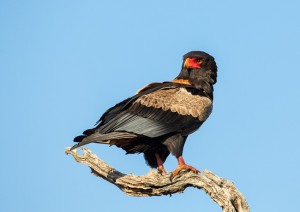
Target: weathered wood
222,191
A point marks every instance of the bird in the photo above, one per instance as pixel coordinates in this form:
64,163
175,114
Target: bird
158,119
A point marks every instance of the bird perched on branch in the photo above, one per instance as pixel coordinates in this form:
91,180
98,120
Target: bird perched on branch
157,120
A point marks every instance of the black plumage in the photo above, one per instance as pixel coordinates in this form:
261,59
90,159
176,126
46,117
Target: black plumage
158,119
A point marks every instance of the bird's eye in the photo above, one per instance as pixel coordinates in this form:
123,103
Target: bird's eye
199,60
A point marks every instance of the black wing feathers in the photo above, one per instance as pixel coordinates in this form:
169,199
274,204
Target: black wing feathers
132,117
115,110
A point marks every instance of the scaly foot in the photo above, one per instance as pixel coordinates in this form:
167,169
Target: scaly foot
183,166
160,166
161,170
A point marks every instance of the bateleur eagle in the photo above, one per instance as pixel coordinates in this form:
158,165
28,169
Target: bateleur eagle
157,120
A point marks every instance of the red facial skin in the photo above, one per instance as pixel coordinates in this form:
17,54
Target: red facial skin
192,63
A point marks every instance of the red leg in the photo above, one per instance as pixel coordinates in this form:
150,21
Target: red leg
160,165
183,166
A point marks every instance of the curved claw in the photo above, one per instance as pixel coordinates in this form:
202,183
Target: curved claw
160,165
183,166
161,170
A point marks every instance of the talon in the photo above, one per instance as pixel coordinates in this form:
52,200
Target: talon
171,177
161,170
160,166
183,166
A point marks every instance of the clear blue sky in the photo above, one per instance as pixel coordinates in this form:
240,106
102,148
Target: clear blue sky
63,63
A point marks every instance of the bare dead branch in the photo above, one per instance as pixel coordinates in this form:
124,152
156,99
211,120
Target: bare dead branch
222,191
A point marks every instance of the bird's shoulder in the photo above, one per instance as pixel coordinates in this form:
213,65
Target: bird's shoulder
181,99
177,98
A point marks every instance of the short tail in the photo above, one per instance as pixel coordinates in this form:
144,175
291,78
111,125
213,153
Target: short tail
97,137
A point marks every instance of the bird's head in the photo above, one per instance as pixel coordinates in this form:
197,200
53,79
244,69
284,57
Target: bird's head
198,68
